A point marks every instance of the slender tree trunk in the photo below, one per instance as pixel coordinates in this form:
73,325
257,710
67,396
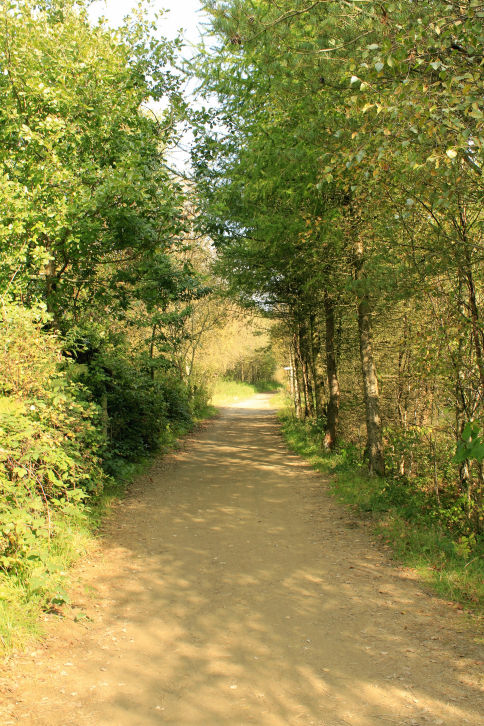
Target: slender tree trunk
317,380
51,280
53,274
152,352
303,358
477,332
371,390
462,412
403,389
368,368
466,277
105,416
332,374
291,376
297,378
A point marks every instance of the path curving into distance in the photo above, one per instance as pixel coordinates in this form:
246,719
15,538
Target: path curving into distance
230,589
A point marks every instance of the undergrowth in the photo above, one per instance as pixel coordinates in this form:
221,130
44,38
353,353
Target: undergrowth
73,432
451,562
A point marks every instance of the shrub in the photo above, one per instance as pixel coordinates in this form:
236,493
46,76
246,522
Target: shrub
138,403
50,441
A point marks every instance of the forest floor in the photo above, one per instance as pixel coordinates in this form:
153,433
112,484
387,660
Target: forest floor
230,588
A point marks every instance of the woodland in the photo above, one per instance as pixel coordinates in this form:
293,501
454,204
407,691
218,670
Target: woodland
330,225
340,177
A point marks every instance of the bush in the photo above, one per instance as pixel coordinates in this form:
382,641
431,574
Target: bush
422,472
44,472
73,414
50,449
139,407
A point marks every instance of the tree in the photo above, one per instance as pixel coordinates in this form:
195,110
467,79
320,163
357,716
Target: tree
82,181
361,124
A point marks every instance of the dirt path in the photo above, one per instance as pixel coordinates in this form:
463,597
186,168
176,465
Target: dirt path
230,589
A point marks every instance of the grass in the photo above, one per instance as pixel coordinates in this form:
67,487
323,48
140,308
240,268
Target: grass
452,565
26,598
226,392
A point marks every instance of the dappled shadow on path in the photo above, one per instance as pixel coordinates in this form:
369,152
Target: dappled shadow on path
240,596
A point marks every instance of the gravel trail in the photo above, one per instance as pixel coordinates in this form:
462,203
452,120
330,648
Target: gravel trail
230,589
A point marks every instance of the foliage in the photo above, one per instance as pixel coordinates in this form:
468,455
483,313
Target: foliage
256,368
340,177
94,292
139,403
82,182
471,444
50,459
58,450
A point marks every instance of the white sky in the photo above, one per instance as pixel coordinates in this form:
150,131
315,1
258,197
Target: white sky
185,15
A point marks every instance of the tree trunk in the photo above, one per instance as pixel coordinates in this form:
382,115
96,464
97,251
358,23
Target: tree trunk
403,389
374,437
105,416
292,376
297,379
371,390
317,380
477,333
302,352
152,351
463,412
332,374
51,280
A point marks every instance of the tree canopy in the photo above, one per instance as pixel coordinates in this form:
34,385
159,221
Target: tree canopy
340,170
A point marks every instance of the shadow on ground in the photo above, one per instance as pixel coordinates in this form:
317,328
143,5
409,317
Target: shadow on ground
233,592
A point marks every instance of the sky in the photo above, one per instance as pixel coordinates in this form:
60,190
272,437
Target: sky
183,15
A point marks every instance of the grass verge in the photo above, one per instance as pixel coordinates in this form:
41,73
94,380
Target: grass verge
452,566
25,599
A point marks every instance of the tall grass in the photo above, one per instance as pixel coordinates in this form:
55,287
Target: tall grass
25,597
